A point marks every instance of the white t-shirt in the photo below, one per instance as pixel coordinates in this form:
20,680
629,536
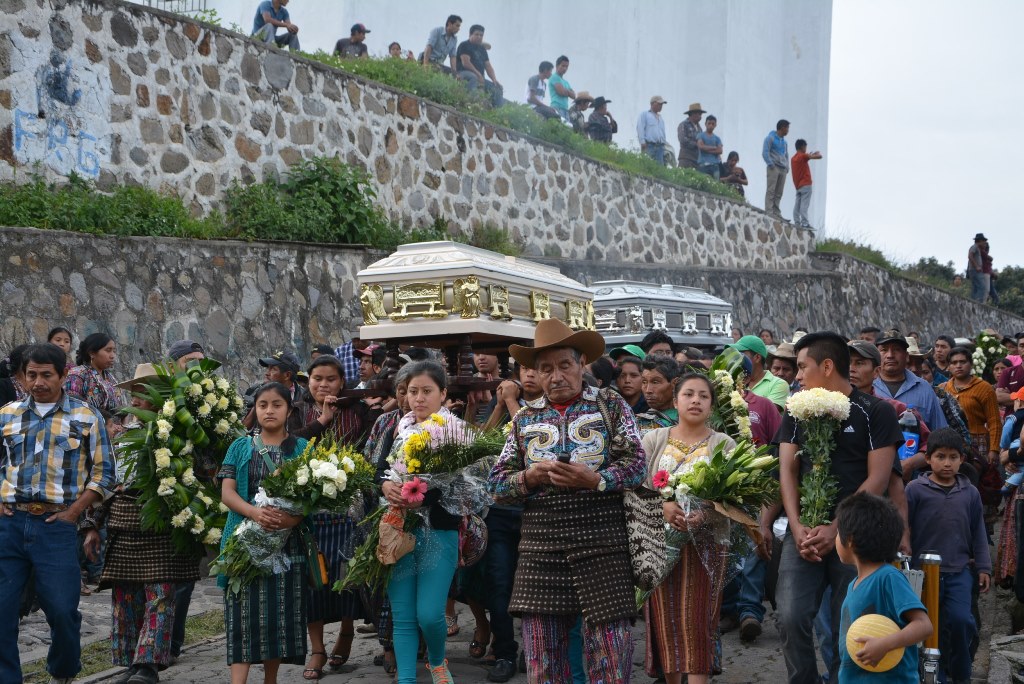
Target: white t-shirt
43,409
536,86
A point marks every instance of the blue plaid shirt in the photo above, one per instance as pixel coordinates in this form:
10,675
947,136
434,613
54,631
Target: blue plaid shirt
56,457
350,363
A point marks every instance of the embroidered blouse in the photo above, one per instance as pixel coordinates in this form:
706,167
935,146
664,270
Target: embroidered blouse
94,387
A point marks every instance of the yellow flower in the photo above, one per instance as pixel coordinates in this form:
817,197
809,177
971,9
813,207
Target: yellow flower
413,465
437,418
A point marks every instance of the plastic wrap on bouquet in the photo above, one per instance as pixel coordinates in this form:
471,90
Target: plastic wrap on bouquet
463,492
721,535
265,547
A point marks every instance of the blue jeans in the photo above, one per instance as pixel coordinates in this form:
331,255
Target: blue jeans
267,35
744,595
182,600
799,593
823,627
956,621
493,90
712,170
418,591
28,542
980,284
502,557
656,151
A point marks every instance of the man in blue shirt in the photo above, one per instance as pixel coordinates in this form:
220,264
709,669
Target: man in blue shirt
776,156
650,130
559,88
270,15
894,381
442,44
709,159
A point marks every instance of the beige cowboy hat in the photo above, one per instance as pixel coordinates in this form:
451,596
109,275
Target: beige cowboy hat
552,333
144,372
784,351
913,349
583,96
695,107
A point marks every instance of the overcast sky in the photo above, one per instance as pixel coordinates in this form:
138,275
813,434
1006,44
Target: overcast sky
925,126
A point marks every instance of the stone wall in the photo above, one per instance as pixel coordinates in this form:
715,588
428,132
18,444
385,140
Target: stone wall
125,94
240,300
838,292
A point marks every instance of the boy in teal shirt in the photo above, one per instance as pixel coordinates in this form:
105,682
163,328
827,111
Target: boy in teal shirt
869,536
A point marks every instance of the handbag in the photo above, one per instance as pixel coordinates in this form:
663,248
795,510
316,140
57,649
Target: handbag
472,540
645,519
315,560
394,542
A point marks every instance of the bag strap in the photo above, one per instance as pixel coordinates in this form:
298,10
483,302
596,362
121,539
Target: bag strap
262,450
602,406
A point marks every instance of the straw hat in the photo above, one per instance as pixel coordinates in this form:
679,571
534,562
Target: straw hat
583,96
695,107
144,372
552,333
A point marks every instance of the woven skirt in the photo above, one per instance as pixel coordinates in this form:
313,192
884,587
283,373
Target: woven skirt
335,537
574,558
267,619
135,556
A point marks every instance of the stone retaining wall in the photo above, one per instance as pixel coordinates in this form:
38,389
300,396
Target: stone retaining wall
125,94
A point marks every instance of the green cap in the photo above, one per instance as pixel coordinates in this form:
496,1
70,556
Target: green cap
627,350
751,343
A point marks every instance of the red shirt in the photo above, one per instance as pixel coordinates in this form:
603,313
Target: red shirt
801,170
765,418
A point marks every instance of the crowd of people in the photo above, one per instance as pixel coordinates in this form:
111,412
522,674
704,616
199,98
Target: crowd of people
556,555
551,96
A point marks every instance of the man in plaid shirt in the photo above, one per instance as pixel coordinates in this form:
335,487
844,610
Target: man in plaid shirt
56,461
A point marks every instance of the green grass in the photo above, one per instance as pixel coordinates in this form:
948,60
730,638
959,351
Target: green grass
859,250
96,656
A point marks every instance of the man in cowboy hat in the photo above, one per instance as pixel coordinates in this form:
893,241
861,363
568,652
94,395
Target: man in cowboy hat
601,125
688,131
577,119
568,458
980,281
650,130
782,364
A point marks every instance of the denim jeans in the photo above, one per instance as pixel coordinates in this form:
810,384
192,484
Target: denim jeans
956,622
980,284
656,151
823,627
799,593
267,34
744,595
182,600
712,170
28,542
502,557
801,205
493,90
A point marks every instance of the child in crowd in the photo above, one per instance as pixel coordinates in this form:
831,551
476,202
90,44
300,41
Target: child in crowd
869,536
946,517
1009,443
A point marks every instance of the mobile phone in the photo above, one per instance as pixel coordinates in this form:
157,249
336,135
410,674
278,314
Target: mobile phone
565,458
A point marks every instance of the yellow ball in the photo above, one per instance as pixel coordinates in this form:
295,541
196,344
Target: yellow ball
872,626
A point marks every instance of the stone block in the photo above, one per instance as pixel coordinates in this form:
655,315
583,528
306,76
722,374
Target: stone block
137,63
252,70
150,34
120,81
290,156
123,30
61,33
208,106
5,99
287,104
313,106
191,30
372,104
152,131
164,104
205,45
92,51
207,144
409,107
301,132
278,68
139,156
332,87
211,76
248,149
142,95
176,45
173,161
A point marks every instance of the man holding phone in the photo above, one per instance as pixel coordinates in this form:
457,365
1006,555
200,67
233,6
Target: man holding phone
560,463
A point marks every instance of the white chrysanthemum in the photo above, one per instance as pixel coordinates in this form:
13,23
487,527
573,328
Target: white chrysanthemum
222,427
195,390
204,410
233,417
818,402
682,489
743,423
187,449
330,491
348,465
213,536
667,463
162,457
188,478
736,400
667,492
204,498
169,408
223,404
237,402
223,385
210,399
222,507
207,384
163,426
182,518
166,487
198,525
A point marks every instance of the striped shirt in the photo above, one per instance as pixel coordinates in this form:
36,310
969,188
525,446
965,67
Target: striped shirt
56,457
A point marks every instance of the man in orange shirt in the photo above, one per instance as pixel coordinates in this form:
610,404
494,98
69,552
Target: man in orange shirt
802,181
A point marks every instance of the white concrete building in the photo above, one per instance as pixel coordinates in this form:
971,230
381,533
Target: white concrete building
748,62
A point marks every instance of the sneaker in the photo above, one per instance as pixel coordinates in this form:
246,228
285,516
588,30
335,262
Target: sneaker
502,671
750,628
125,676
146,674
440,674
366,629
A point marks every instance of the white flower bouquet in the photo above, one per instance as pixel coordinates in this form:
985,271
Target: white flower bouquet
820,413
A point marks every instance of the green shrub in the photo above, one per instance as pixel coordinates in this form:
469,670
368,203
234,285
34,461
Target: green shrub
494,238
855,249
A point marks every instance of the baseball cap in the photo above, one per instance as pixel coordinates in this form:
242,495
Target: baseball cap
286,360
627,350
359,28
323,349
365,351
184,348
658,98
892,335
751,343
867,351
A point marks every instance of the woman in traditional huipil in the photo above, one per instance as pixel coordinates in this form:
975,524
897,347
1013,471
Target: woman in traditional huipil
336,533
266,621
90,380
682,613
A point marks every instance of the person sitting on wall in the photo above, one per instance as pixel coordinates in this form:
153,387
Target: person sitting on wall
474,62
270,15
355,45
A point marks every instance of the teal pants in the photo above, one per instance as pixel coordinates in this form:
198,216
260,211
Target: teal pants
418,591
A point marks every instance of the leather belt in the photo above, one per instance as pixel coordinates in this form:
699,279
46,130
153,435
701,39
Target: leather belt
39,507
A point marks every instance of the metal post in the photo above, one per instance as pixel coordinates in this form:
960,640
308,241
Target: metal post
930,653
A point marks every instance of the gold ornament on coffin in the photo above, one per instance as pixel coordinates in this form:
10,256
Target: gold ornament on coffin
540,306
590,316
371,297
467,296
575,314
499,303
419,295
